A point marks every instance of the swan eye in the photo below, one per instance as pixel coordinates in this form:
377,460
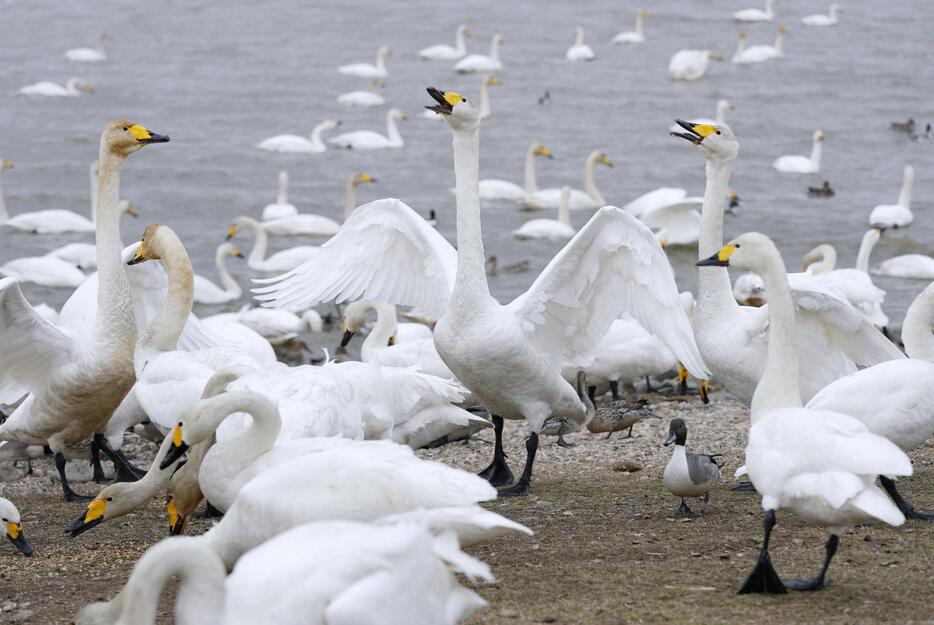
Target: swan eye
718,132
110,499
125,128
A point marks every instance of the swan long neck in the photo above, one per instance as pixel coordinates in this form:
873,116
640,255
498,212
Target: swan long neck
484,99
315,137
865,250
816,153
721,111
282,197
494,49
72,86
385,328
350,197
163,331
904,197
639,23
778,387
916,329
93,171
579,37
115,324
459,43
714,289
381,60
4,214
779,38
392,132
530,180
260,240
740,46
770,8
564,209
471,271
590,186
250,443
220,262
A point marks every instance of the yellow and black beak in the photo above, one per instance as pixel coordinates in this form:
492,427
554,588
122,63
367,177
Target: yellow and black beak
177,523
131,211
176,451
231,233
720,259
704,391
445,100
696,133
236,252
94,515
145,136
14,531
138,257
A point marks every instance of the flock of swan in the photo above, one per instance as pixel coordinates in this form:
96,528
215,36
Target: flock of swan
327,514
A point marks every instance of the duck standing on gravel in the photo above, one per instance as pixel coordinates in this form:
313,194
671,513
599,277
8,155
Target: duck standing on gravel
689,475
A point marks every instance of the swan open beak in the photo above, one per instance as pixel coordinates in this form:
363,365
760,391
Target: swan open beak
445,100
720,259
14,532
696,133
178,448
93,516
348,334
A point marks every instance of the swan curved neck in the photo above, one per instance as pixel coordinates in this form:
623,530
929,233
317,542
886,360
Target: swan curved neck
904,196
115,325
470,281
916,329
778,387
530,180
816,153
260,239
590,186
4,214
72,86
865,250
392,132
386,324
163,331
256,439
220,262
714,289
315,137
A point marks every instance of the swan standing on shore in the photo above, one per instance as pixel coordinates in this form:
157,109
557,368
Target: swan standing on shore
823,20
280,261
589,198
206,292
757,15
68,404
296,144
819,464
633,36
896,215
89,55
281,207
370,140
74,87
496,189
802,164
561,318
482,62
376,70
559,229
580,51
444,52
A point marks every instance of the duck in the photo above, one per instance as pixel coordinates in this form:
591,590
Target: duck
589,198
295,144
376,70
559,229
481,62
537,334
370,140
281,207
284,260
691,64
891,398
72,88
822,191
731,337
89,55
617,417
361,98
820,465
444,52
896,215
905,126
636,35
760,53
44,271
13,527
914,266
66,404
387,324
688,474
206,292
757,15
580,51
493,189
802,164
831,19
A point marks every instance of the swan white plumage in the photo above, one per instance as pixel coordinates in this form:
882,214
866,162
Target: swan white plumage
279,326
206,292
588,198
899,214
309,224
387,324
497,189
280,261
482,62
44,271
834,337
89,55
371,140
281,207
74,87
361,98
558,229
894,399
580,51
376,70
676,224
518,376
819,464
722,107
757,15
296,144
657,198
916,266
636,35
444,52
794,164
748,290
760,53
67,404
823,20
691,64
12,526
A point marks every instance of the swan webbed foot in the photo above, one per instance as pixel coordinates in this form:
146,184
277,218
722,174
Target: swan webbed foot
763,578
521,489
564,443
210,512
498,473
70,495
126,472
744,487
99,476
806,584
903,504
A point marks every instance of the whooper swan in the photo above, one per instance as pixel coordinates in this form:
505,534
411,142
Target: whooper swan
74,87
588,198
482,62
444,52
371,140
296,144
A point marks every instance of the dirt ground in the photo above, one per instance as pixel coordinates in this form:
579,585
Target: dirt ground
609,546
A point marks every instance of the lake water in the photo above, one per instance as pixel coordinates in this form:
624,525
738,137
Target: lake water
220,76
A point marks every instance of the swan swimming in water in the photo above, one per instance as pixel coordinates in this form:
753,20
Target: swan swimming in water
444,52
482,62
691,64
896,215
281,207
497,189
74,87
761,53
552,229
206,292
44,271
370,140
633,36
802,164
361,98
366,70
279,261
823,20
89,55
580,51
757,15
296,144
589,197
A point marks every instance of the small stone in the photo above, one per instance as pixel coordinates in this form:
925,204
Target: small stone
867,538
509,613
724,556
549,619
22,615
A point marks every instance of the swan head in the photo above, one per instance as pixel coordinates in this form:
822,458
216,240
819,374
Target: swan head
752,251
644,13
782,30
492,81
540,150
358,179
398,115
384,52
5,164
818,136
122,137
462,29
497,39
148,248
355,315
112,502
229,249
816,255
460,112
716,141
13,527
126,207
602,159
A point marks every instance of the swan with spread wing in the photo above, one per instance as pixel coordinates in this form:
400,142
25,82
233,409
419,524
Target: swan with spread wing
509,356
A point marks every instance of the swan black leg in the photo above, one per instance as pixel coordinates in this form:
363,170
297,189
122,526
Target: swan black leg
818,583
562,442
763,578
592,394
522,486
99,476
498,473
126,472
648,385
70,495
903,504
210,512
614,389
